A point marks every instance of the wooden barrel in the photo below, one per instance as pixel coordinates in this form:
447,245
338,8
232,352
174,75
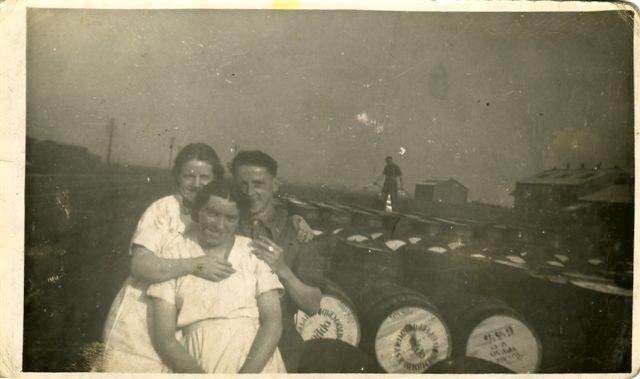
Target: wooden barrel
357,263
405,228
445,270
429,254
337,318
332,235
365,219
495,233
452,233
472,320
402,329
334,356
491,330
460,232
349,233
568,319
430,227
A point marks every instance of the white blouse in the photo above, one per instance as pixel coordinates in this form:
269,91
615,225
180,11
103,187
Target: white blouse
198,299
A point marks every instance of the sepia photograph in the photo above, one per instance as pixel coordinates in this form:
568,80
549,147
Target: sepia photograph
328,191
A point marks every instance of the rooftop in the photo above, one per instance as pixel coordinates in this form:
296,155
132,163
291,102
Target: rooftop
619,193
571,176
433,182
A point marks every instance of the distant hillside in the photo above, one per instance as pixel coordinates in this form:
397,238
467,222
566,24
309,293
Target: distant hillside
50,157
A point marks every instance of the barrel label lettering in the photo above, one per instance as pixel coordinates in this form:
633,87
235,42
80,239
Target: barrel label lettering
506,341
410,340
499,334
426,360
335,320
322,330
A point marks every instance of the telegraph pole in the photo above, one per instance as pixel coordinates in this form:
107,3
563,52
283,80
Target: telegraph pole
171,146
112,127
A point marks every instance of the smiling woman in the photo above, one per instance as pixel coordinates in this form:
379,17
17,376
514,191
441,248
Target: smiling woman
196,165
217,216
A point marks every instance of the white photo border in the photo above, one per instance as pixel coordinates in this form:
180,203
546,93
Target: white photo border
13,26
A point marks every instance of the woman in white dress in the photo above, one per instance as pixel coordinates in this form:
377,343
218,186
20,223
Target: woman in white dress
127,343
230,326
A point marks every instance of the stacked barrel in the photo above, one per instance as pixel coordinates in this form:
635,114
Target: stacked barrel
486,328
336,319
399,327
424,290
402,329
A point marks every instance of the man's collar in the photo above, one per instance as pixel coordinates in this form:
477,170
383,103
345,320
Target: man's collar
268,217
274,219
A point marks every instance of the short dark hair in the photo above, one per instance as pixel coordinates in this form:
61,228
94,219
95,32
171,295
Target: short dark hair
200,152
388,157
221,188
255,158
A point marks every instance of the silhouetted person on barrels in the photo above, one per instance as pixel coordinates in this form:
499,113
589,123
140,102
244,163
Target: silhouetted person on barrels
392,176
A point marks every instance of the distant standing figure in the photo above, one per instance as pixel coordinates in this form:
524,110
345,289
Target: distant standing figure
392,181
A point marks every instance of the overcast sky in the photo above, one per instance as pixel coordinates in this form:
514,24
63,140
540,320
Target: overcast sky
486,98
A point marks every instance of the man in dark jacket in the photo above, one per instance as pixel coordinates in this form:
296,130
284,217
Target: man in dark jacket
298,265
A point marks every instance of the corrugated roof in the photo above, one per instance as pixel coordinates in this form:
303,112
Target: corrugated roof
433,182
570,176
619,193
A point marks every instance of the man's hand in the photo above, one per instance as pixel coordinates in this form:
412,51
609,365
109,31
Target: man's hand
305,233
214,269
272,254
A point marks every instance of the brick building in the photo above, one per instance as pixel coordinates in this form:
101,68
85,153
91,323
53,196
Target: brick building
591,209
551,190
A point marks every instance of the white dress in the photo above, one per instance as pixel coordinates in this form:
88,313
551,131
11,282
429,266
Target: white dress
126,336
219,320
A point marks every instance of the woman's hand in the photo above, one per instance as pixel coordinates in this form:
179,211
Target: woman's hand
212,268
271,254
305,233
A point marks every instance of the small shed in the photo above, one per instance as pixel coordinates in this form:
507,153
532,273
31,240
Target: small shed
441,191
